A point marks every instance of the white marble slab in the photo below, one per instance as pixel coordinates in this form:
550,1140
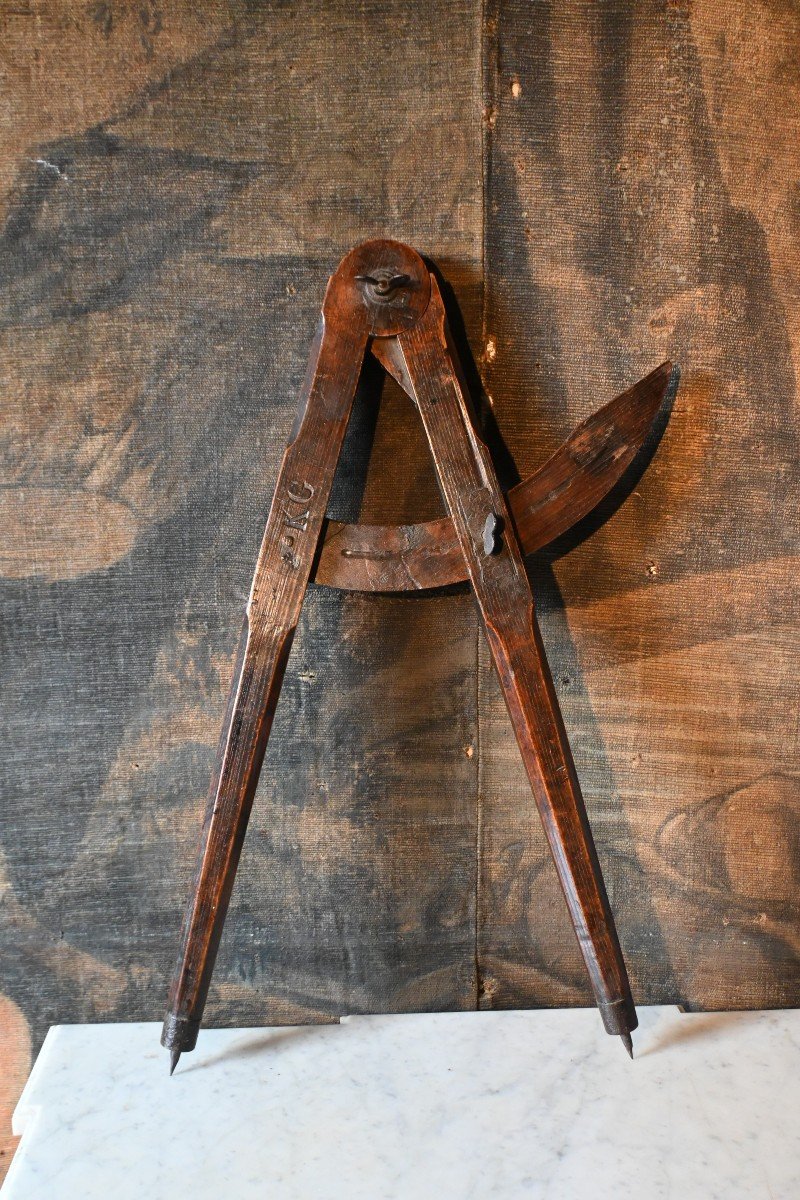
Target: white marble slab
536,1104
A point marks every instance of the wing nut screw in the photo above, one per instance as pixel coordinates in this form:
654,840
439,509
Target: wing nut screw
383,284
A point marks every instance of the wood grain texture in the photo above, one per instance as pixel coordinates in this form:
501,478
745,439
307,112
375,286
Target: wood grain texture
160,294
493,555
623,178
625,231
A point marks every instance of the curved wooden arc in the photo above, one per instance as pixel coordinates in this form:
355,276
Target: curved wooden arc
406,558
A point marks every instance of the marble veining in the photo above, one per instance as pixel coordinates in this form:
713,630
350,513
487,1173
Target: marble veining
452,1105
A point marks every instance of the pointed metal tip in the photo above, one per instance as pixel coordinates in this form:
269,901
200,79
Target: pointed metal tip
627,1042
174,1055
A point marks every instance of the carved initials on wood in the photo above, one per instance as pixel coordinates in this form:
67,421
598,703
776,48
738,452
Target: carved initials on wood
298,495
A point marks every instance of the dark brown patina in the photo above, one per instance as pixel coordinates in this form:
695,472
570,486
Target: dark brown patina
384,299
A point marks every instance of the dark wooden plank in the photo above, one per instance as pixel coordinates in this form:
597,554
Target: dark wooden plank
639,168
160,292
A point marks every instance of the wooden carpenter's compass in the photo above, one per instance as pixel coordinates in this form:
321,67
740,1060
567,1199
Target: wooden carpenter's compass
384,300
